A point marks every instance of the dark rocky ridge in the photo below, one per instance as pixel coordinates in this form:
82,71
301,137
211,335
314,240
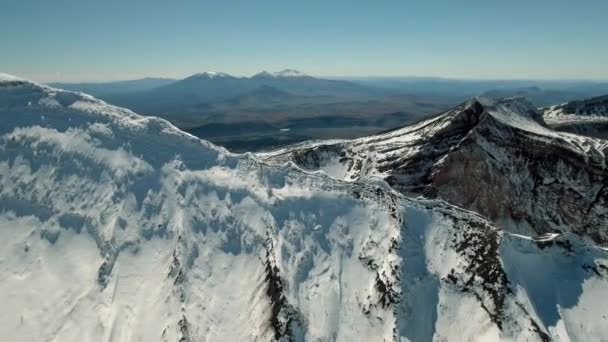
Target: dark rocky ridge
496,158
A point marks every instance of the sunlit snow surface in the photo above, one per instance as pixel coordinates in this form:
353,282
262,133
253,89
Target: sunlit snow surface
117,227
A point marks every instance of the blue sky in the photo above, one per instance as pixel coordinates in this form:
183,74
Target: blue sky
105,40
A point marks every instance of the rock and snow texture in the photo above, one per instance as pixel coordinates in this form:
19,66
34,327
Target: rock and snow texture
496,158
117,227
587,117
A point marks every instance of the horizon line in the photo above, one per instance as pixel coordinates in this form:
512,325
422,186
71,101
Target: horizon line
338,77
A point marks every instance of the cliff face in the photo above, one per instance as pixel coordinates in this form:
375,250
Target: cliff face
496,158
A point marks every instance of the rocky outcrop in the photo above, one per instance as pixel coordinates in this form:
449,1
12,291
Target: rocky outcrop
496,158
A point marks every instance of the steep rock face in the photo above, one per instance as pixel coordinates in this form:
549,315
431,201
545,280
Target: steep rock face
496,158
121,227
586,117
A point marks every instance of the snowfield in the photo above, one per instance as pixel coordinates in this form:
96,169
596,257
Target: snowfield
119,227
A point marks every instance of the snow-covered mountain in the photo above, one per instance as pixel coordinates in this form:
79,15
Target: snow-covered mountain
118,227
587,117
496,158
287,73
212,74
186,95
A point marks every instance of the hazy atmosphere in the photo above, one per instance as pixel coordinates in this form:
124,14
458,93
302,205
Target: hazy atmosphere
69,40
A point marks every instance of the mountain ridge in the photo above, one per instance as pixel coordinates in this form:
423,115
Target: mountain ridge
212,87
497,142
118,226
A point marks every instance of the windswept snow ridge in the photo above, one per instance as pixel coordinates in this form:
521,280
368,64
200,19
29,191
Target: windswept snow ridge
117,227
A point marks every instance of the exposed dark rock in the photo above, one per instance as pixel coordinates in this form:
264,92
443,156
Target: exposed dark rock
184,329
283,315
484,276
496,158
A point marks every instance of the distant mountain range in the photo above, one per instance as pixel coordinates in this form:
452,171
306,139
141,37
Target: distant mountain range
211,87
267,109
557,91
158,95
270,109
536,95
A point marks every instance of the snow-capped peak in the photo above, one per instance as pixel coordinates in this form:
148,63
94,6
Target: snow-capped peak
290,73
279,74
211,74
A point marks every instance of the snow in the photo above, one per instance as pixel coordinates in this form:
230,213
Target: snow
576,111
559,286
500,142
120,227
289,73
8,78
550,286
587,117
79,143
457,308
281,74
135,193
212,75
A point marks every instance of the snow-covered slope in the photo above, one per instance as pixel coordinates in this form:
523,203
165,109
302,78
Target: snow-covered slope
117,227
496,158
587,117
